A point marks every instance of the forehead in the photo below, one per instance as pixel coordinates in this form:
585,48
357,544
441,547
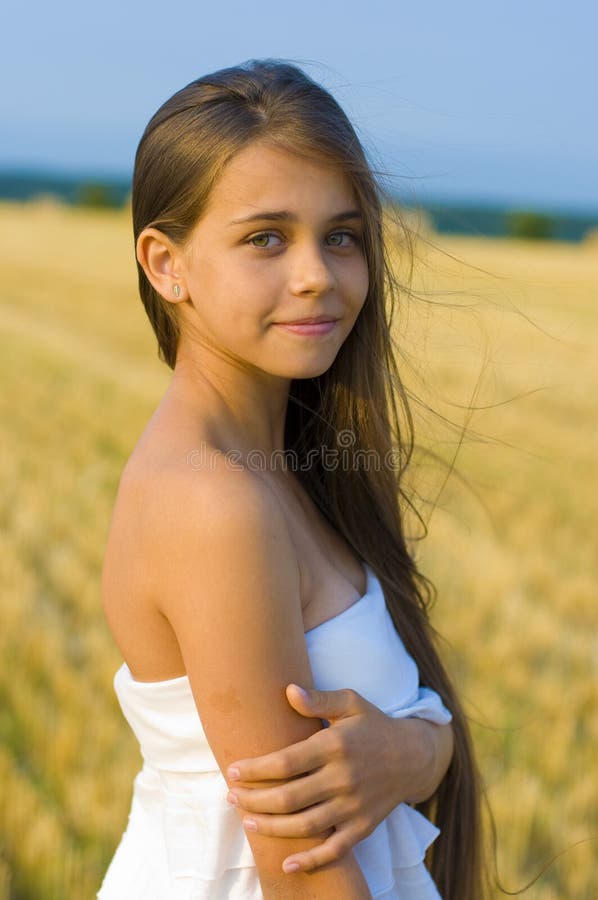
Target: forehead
261,176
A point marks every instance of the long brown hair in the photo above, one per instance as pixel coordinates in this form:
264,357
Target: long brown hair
181,154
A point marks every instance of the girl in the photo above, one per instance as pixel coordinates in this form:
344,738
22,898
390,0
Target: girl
256,544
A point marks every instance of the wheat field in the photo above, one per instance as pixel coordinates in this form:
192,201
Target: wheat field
500,339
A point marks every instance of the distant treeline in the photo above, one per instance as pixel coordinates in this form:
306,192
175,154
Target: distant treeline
496,221
444,217
106,192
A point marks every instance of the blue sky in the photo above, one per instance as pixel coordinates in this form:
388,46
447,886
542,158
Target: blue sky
489,101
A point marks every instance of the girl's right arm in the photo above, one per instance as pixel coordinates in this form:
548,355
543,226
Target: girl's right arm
227,580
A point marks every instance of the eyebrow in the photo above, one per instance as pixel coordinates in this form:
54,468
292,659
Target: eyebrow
284,215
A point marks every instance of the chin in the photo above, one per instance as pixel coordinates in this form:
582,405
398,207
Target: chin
304,365
308,371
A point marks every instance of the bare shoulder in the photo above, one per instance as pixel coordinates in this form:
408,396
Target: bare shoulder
226,578
224,517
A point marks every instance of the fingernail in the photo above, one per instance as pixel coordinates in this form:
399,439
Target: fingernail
250,824
232,798
233,774
302,691
290,867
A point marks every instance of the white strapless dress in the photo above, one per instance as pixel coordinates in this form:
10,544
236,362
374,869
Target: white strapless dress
184,841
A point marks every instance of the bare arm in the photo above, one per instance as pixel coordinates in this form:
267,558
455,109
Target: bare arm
227,580
320,782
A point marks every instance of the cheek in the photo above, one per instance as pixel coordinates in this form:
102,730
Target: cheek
255,277
233,301
358,281
224,285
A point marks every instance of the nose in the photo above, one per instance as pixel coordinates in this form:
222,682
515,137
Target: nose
311,272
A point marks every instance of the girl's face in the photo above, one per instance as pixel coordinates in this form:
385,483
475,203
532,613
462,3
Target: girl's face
280,240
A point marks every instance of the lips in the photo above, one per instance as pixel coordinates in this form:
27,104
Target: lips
311,321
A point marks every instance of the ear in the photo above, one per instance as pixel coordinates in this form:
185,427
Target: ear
160,259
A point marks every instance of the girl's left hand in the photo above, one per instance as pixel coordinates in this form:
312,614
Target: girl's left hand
347,777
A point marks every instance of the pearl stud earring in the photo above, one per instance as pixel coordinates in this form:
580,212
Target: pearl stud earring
176,291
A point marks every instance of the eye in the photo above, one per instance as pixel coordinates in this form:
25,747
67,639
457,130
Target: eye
263,236
353,238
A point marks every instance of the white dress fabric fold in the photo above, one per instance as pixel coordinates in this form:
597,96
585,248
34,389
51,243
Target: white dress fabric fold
183,841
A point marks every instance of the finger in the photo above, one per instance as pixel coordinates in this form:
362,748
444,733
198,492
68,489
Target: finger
308,823
325,704
296,759
331,850
297,794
